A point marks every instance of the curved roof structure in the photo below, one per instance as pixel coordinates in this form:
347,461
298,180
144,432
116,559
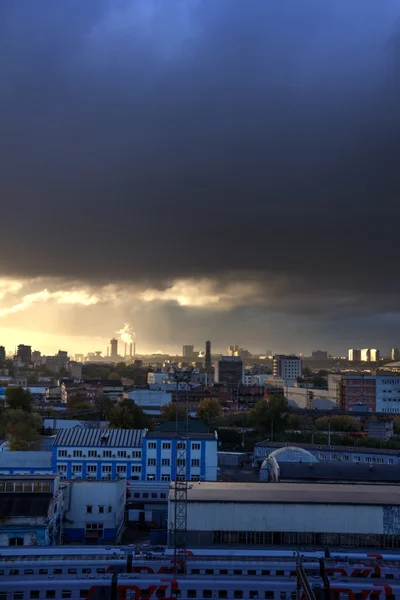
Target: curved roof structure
290,454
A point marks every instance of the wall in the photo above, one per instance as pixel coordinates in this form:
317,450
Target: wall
82,494
235,516
152,398
388,394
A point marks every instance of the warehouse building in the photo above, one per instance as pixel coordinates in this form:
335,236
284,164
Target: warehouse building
291,514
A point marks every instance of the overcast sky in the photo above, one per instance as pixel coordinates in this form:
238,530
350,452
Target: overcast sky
204,169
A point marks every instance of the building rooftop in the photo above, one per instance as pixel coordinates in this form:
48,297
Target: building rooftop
292,493
292,454
326,448
174,434
340,471
100,437
25,459
71,423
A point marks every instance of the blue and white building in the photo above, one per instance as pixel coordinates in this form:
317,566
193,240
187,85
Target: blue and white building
160,455
98,454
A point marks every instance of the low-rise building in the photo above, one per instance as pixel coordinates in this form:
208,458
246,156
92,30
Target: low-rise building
150,401
98,454
287,366
94,511
31,510
26,462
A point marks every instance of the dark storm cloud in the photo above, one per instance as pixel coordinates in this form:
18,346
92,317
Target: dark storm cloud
151,140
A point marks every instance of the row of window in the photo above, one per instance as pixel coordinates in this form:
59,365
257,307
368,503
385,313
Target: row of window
160,593
34,594
277,538
75,468
167,445
101,509
100,454
166,462
238,594
56,571
167,477
367,459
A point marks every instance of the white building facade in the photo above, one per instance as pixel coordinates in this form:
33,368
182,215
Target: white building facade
288,367
388,393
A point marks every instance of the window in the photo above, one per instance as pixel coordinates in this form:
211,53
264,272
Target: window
165,477
151,462
191,593
207,593
151,477
195,462
136,469
195,571
34,594
181,445
92,453
106,468
152,445
251,572
269,595
222,594
180,477
209,571
62,453
153,495
50,594
163,495
100,570
72,571
137,454
57,571
18,595
238,594
107,454
253,594
195,446
390,461
181,462
43,571
280,573
145,494
121,453
136,495
83,593
77,453
121,469
14,571
110,509
160,594
62,468
166,446
195,478
77,468
165,462
237,571
91,468
223,571
66,594
101,509
89,509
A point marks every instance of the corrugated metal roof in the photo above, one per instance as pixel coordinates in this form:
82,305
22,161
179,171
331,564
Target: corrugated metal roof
21,459
325,447
106,438
293,493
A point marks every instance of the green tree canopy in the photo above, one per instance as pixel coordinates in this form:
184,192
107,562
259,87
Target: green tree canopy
18,399
270,415
20,428
113,376
168,412
209,410
127,415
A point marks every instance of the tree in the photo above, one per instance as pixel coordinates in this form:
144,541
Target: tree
20,428
270,415
103,405
168,412
307,372
114,376
319,382
209,410
18,399
127,415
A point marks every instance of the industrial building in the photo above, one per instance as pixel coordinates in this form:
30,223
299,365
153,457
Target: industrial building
94,511
291,514
291,465
229,370
31,510
326,453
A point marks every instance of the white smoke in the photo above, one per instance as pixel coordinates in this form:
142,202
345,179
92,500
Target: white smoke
127,334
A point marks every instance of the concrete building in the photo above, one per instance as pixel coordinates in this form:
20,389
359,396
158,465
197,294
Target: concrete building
159,377
358,390
114,350
298,514
31,508
287,366
2,355
27,462
354,355
160,454
319,355
387,388
94,511
395,354
24,353
150,401
381,430
102,454
369,355
325,453
229,370
188,351
75,369
37,358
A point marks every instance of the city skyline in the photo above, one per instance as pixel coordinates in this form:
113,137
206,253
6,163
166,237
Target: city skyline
202,170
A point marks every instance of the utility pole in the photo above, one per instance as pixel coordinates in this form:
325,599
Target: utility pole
182,379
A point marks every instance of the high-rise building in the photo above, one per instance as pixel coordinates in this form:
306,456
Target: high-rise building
2,355
395,354
24,353
114,349
233,350
207,357
187,351
287,366
229,370
355,354
319,355
369,355
37,358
